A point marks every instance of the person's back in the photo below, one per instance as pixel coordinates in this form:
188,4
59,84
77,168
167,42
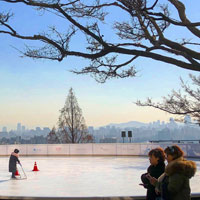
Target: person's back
13,162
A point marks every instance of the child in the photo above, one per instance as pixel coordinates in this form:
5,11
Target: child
13,162
157,167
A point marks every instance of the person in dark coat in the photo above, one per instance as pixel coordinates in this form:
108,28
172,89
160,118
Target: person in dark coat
14,158
174,183
157,167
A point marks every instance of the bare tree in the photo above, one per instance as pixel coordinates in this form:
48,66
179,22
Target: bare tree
71,124
182,102
141,33
53,137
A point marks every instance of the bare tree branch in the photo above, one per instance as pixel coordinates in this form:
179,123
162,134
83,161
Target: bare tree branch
180,102
141,34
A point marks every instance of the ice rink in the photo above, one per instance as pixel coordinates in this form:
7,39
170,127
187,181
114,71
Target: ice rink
80,176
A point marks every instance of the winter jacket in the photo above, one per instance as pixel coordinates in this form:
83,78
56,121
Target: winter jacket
154,171
174,183
13,162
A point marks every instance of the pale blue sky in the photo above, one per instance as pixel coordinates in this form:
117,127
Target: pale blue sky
33,91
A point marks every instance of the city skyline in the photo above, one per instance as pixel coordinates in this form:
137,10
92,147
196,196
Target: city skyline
20,127
33,91
112,133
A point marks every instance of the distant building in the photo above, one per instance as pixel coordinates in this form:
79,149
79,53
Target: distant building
108,140
19,128
172,124
187,119
23,129
46,129
38,129
4,129
91,129
3,135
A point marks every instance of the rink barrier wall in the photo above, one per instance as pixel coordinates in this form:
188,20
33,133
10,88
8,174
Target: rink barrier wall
108,149
94,149
193,197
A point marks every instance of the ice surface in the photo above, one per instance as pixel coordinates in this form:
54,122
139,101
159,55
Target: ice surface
80,176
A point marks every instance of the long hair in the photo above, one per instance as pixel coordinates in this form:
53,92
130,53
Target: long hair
175,151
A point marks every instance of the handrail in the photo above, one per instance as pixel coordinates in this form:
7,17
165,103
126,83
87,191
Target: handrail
173,141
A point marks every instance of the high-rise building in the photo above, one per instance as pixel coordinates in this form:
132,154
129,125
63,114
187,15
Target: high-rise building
4,129
91,130
46,129
187,119
23,129
38,129
19,128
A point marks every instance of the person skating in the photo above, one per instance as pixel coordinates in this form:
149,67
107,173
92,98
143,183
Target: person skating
14,158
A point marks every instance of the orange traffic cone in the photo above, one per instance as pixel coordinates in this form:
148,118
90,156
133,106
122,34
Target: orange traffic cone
17,173
35,168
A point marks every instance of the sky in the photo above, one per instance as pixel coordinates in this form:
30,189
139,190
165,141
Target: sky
33,91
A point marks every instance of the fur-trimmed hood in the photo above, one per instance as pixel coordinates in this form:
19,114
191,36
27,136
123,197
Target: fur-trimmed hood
181,166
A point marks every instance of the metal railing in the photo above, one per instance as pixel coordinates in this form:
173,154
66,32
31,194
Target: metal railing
175,141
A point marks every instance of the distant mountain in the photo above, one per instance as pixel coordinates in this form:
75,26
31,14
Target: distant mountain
134,124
